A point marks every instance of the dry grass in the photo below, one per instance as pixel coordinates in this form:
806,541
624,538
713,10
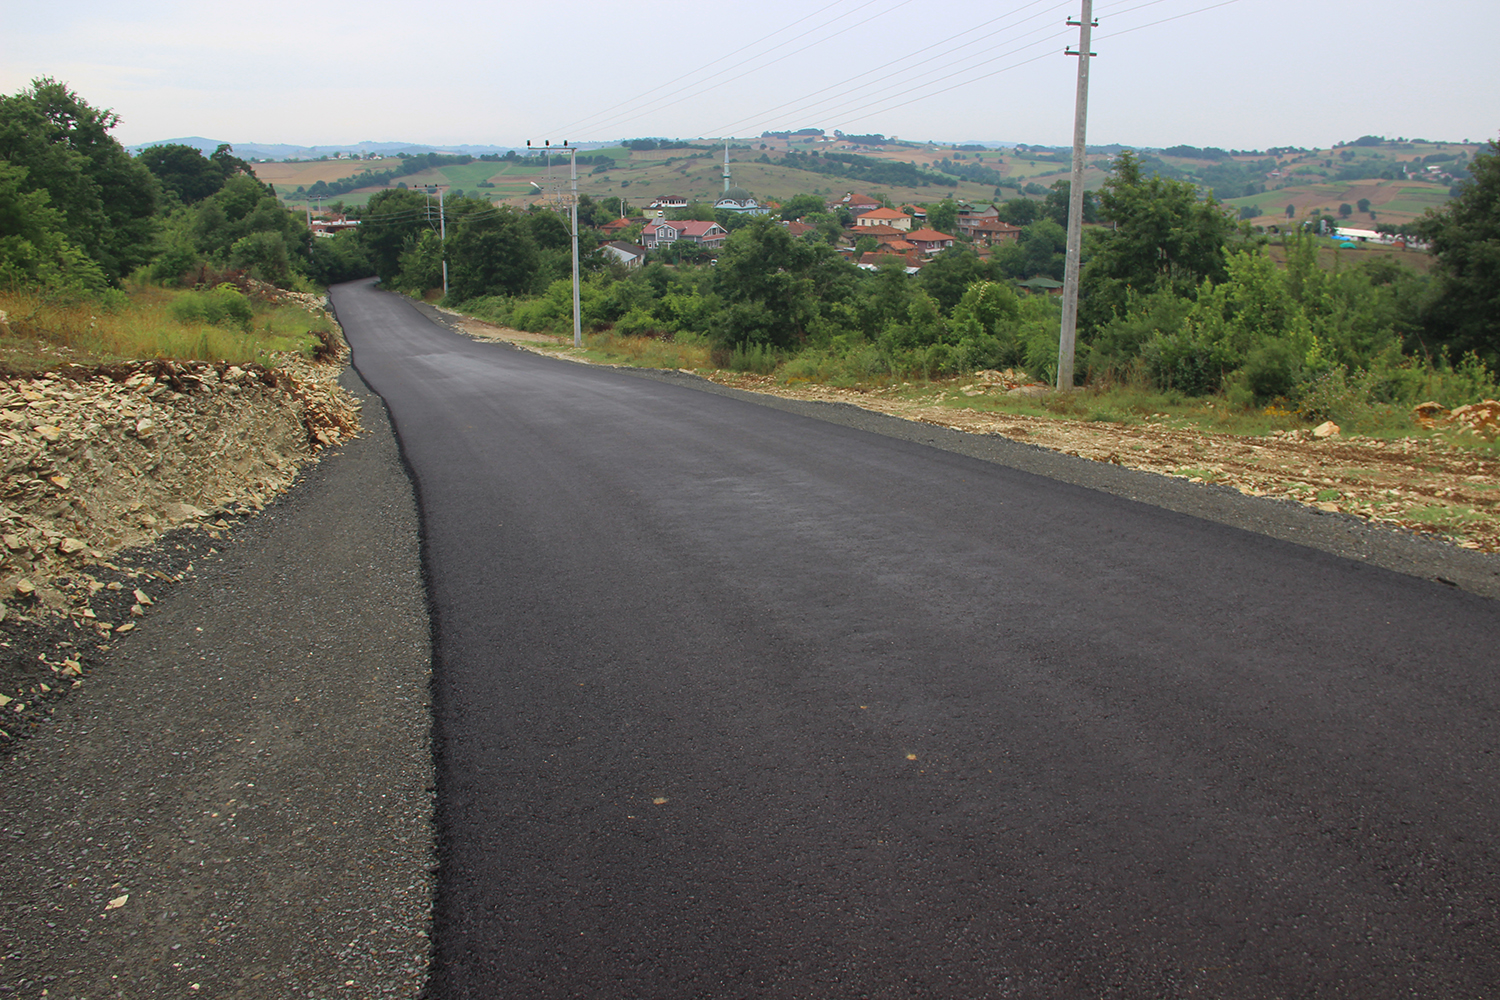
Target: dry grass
40,333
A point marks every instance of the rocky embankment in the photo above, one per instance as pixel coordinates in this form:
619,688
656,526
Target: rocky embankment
98,462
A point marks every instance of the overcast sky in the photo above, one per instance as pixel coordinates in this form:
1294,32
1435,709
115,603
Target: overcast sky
1237,74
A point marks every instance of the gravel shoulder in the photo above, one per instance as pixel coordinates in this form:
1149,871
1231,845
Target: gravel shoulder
238,803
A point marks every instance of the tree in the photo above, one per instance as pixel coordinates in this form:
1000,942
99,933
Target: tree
772,284
1346,210
1165,236
1291,211
1363,204
106,200
391,218
1020,211
800,205
33,250
184,171
1055,206
943,216
1465,237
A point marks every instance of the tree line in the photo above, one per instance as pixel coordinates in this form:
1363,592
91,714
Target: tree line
1175,291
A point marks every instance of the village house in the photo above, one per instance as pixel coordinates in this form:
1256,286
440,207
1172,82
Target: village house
976,213
331,225
625,253
619,225
884,217
857,204
667,202
988,231
930,241
662,233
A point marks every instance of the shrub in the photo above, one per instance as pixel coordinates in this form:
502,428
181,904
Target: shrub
225,305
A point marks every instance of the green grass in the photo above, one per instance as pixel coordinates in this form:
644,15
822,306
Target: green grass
1448,520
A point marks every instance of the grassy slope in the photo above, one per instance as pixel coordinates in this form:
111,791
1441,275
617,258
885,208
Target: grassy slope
697,174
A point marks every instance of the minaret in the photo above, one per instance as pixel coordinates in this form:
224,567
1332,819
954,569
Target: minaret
726,166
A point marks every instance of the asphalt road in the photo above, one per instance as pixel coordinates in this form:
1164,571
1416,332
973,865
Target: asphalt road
733,702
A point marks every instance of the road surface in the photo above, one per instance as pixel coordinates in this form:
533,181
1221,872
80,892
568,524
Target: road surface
732,702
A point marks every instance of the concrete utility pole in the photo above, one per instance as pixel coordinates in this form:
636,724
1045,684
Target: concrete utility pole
443,238
442,229
1068,336
572,152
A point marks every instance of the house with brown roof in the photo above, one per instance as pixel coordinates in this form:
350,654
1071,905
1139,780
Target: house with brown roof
617,225
856,203
988,231
875,230
930,241
884,217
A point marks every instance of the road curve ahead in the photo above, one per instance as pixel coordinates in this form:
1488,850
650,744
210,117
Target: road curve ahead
737,703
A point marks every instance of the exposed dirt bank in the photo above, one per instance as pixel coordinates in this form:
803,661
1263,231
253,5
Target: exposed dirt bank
96,463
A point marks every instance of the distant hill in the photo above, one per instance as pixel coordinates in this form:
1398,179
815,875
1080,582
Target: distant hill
283,151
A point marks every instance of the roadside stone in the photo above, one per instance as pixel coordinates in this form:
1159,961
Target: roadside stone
1326,429
1481,418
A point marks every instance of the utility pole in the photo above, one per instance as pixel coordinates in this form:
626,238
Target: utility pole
442,229
443,236
1067,338
572,152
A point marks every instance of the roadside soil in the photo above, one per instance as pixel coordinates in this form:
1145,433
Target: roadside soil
1427,485
113,478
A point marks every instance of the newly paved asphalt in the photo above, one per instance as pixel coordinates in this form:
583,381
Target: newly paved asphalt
732,702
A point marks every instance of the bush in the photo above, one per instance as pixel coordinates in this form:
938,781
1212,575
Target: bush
225,305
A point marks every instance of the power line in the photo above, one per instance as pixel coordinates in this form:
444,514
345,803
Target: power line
572,125
602,119
1175,17
814,107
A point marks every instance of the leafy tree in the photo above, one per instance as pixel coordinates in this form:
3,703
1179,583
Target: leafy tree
1465,236
1346,210
943,216
390,219
1363,204
342,258
106,200
1055,205
1291,211
244,207
33,250
183,171
772,285
1165,236
948,276
1020,211
1044,244
493,256
800,205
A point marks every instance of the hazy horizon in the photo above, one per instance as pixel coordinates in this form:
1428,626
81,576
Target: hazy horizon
1244,74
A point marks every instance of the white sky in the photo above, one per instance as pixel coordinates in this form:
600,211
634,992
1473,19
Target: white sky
1237,74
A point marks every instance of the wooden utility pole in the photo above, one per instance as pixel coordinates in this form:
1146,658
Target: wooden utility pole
1068,336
